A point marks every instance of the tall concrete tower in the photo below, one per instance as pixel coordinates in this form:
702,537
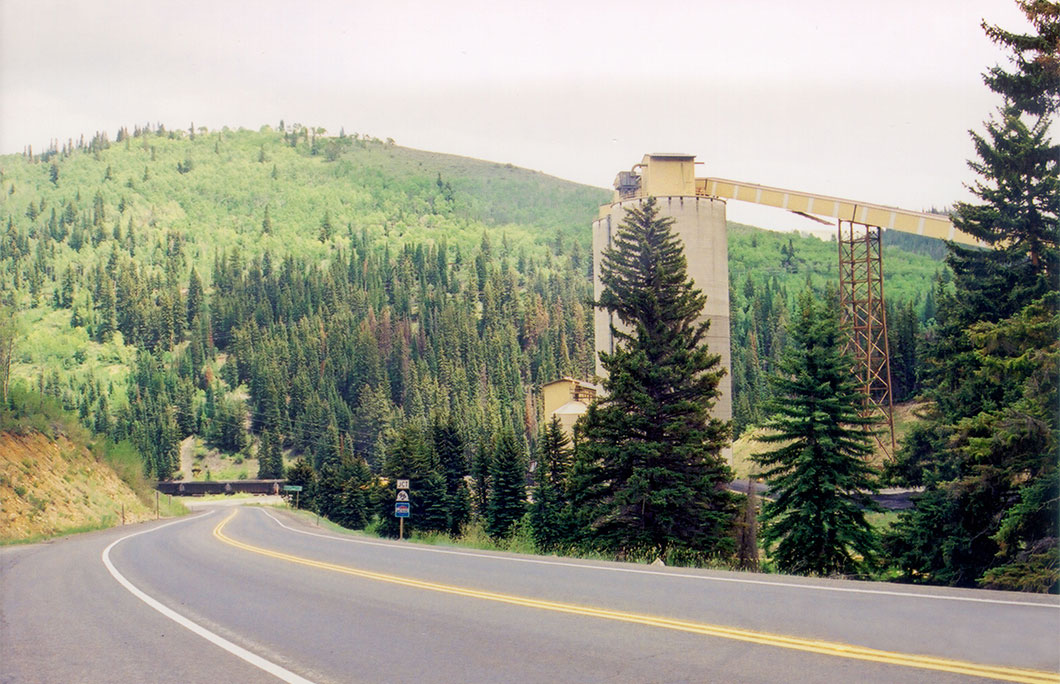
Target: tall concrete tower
699,221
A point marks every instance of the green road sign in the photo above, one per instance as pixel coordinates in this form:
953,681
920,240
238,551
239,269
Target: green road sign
292,488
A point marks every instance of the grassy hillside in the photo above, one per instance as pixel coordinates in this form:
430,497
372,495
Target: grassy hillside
213,189
743,448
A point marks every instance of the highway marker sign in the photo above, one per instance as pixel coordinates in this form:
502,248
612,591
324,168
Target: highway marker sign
403,495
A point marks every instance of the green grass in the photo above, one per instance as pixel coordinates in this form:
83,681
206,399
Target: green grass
882,521
104,523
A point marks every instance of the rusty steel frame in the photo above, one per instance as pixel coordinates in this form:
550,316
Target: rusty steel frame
864,316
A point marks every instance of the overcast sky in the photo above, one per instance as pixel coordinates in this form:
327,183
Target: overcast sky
870,101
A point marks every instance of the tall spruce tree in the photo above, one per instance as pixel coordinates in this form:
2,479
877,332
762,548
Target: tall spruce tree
651,469
506,503
818,475
988,453
449,451
547,514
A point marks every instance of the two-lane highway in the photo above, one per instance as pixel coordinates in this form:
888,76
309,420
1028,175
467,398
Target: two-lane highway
256,594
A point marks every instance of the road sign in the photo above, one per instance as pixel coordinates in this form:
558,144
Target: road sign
402,484
403,495
401,509
292,488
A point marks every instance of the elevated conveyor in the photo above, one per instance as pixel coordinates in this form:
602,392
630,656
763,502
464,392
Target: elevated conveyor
671,178
936,226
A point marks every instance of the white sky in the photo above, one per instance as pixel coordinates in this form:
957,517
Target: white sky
870,101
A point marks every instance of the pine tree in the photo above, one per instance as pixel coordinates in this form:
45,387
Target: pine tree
652,449
481,466
410,456
819,477
506,503
1019,188
548,518
274,456
449,451
300,474
987,453
195,301
555,453
903,336
352,509
267,448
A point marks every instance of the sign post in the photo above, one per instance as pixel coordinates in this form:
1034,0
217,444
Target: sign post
295,489
402,507
401,511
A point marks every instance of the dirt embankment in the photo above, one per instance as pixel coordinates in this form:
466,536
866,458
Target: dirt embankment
47,487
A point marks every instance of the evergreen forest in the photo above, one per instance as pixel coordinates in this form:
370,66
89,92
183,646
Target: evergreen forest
293,293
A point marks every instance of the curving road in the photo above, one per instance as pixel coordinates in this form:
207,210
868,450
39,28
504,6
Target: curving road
258,595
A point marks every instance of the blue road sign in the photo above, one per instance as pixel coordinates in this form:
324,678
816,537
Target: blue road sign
401,509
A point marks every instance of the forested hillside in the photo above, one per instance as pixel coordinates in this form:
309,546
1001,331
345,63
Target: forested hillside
388,276
321,289
284,293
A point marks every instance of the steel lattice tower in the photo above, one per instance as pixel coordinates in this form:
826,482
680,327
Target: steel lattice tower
864,316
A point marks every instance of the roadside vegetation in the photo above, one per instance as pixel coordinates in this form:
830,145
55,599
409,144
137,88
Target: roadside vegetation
57,478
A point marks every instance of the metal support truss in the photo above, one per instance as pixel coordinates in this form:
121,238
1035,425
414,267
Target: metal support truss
864,316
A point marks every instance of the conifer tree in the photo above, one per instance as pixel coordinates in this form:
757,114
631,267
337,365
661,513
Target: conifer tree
555,452
987,454
195,300
652,450
819,477
449,451
506,503
268,449
481,466
352,508
300,474
548,517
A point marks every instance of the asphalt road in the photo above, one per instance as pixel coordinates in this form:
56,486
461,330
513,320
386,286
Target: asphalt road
256,595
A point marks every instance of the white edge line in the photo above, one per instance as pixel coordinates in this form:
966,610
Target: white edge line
238,651
637,571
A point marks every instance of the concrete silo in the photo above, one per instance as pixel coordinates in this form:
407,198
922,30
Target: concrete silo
699,221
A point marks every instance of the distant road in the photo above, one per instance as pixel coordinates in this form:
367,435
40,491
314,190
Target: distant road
891,499
244,594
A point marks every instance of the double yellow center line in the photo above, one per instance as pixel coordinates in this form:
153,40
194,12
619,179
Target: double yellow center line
828,648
